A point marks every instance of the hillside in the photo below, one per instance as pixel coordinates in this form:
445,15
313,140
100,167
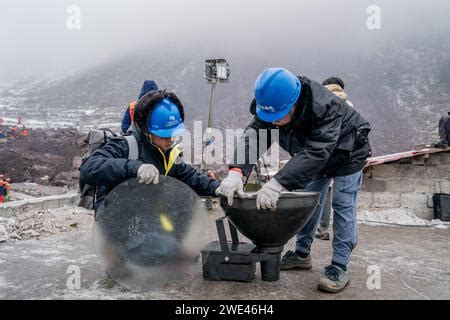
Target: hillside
402,90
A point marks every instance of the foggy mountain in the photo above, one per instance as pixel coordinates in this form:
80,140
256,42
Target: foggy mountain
402,90
398,77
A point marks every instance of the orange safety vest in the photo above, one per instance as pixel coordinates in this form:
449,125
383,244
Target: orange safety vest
132,105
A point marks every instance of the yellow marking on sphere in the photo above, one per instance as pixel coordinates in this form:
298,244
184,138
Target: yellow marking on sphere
166,223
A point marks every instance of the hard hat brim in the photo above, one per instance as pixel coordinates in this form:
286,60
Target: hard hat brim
169,133
272,116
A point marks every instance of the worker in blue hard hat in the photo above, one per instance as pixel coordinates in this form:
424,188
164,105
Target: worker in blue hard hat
326,140
158,119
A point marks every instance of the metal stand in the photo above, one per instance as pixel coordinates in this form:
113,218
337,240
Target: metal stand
236,261
216,70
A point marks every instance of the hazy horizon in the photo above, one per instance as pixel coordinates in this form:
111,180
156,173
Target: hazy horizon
37,42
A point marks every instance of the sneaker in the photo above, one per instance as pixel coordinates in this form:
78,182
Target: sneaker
291,261
322,235
334,279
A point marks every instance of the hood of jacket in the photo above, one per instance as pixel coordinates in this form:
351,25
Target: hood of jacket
338,91
147,86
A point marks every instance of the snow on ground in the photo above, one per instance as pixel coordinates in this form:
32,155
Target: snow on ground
35,223
27,190
404,217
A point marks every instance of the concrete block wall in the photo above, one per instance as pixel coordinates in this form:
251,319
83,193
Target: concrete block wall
10,209
409,184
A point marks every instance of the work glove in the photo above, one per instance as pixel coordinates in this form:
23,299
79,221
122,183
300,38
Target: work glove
232,183
267,197
147,173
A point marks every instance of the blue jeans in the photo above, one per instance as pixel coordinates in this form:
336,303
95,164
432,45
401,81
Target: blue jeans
326,212
345,228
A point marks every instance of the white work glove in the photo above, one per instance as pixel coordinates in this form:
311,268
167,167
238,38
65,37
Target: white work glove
267,197
232,183
147,173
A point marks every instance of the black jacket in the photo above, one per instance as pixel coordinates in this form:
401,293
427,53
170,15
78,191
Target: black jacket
325,138
109,166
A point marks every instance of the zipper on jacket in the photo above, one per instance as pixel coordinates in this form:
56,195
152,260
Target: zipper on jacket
173,155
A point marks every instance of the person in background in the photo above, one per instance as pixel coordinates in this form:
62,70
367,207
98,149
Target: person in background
335,85
2,191
444,131
8,189
128,116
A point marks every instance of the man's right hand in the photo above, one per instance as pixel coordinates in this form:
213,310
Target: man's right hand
148,173
231,184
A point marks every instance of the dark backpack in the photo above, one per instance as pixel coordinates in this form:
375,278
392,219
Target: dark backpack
97,139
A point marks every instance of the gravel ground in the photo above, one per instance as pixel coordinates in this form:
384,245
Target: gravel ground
412,263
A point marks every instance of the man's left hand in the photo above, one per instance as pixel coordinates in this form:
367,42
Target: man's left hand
267,197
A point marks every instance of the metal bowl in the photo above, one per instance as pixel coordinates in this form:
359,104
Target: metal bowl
268,228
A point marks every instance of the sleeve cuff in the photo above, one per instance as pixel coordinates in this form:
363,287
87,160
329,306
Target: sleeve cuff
133,167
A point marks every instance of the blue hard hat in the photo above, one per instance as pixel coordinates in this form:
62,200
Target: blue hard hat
165,120
276,92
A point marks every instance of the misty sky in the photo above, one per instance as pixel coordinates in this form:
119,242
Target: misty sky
35,40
